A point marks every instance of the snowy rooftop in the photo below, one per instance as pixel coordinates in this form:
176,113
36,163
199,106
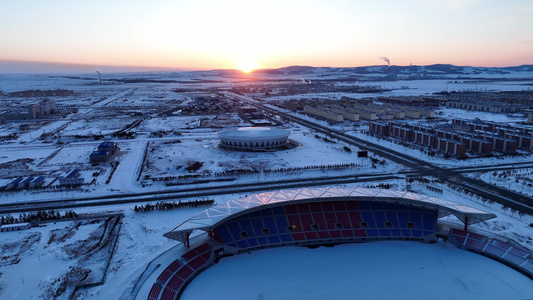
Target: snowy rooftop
254,132
217,214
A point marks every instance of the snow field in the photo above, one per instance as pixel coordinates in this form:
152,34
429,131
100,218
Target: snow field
373,270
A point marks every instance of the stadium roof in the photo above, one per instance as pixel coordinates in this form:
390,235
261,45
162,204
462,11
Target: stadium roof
217,214
254,132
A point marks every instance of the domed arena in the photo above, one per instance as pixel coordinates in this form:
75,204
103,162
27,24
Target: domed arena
254,138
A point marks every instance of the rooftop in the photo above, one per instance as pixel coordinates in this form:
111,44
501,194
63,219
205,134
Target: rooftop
254,132
211,217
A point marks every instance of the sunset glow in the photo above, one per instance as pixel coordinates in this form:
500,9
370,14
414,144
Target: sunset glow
248,67
218,34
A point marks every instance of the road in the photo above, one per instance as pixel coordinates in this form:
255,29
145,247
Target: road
422,168
413,168
200,192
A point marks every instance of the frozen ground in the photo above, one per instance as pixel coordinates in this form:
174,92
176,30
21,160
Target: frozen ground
518,180
376,270
141,240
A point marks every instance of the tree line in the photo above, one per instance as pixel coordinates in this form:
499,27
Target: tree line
42,215
173,205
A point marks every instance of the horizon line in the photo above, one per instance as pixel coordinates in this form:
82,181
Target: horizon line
142,69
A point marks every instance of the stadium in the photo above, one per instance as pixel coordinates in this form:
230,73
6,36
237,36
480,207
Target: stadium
313,217
254,138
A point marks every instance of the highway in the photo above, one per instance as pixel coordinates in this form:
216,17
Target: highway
199,192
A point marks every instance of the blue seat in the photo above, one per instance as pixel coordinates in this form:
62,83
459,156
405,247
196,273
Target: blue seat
246,226
379,217
384,232
372,233
262,240
416,218
257,224
242,244
395,232
282,223
279,210
429,221
368,218
224,234
273,239
286,238
403,218
270,224
416,233
234,229
252,242
391,217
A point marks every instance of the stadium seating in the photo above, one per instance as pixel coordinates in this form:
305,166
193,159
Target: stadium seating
499,250
172,279
165,275
469,239
325,221
154,292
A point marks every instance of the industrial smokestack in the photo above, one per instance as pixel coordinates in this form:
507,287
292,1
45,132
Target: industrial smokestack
385,59
99,76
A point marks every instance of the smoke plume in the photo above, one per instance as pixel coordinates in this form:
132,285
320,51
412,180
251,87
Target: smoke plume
385,59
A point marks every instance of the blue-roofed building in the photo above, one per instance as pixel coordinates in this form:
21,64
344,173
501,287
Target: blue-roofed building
25,183
13,183
14,227
72,178
38,181
99,156
105,151
108,146
72,173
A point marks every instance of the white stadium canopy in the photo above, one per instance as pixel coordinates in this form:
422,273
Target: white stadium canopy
217,214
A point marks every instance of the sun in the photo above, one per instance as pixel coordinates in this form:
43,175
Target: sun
247,67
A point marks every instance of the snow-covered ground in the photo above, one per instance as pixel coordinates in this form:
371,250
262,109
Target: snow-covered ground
518,180
110,107
141,241
375,270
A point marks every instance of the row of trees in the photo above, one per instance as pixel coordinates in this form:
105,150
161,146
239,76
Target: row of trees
42,215
113,169
325,139
381,185
173,205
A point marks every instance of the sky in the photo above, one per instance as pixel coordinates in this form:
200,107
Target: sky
226,34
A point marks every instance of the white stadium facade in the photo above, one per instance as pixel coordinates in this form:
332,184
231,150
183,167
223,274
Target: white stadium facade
254,138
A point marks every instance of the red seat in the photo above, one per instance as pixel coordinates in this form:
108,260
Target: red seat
175,283
154,292
168,294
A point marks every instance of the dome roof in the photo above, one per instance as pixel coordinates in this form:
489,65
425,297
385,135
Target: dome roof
254,133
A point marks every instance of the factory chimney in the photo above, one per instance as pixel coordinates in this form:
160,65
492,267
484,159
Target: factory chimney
99,76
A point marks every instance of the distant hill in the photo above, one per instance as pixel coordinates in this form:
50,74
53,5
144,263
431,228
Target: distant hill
29,67
436,69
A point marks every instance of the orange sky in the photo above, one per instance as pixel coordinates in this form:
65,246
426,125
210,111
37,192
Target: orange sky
213,34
